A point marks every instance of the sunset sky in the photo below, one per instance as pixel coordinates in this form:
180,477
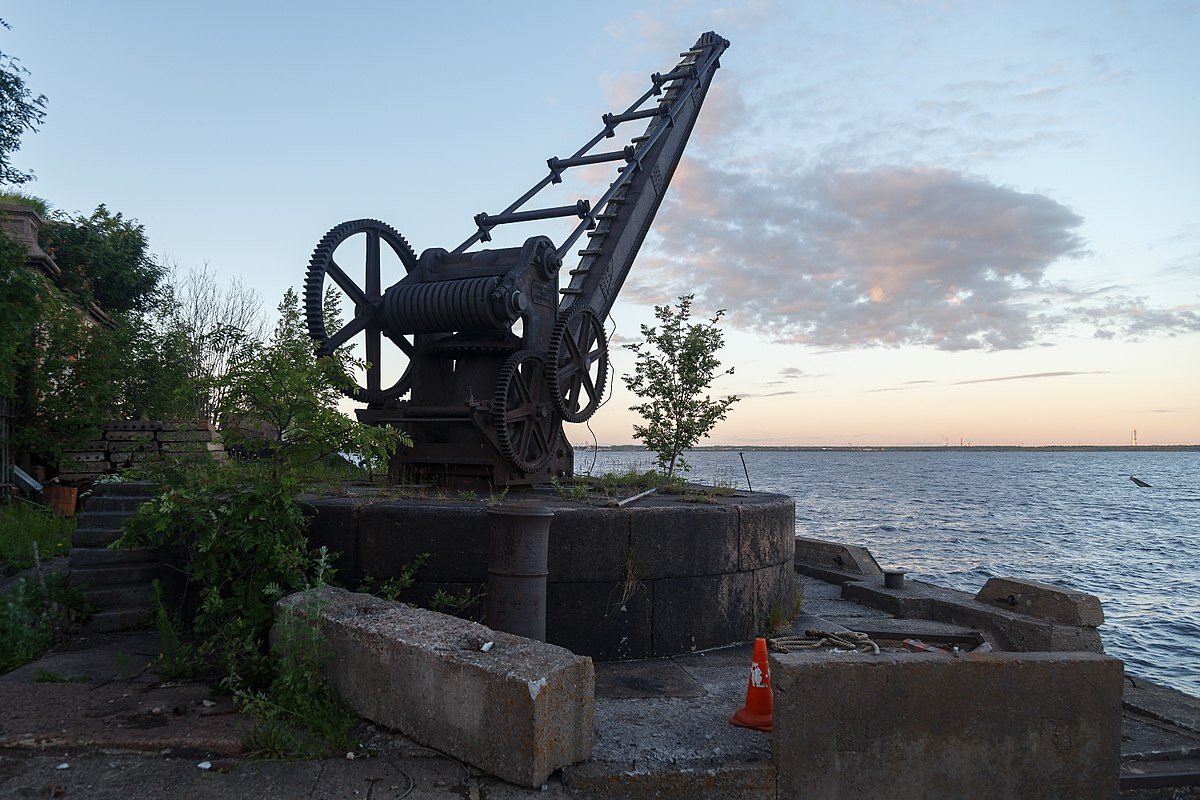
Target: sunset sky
928,221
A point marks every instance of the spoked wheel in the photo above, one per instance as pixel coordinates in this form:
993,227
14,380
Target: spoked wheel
523,413
578,364
365,298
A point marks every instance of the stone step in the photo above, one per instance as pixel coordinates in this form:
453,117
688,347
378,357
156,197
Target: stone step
123,503
120,595
125,489
103,520
82,557
94,537
123,619
111,574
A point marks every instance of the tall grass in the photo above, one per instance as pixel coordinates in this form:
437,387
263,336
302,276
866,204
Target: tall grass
22,523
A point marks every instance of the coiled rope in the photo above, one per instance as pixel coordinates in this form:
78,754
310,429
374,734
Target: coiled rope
817,639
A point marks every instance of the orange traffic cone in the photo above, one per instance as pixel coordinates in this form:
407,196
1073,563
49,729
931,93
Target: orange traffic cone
759,705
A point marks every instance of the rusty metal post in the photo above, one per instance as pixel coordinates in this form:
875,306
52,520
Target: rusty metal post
516,593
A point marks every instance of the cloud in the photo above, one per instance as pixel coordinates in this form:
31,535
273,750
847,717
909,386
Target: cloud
841,258
1030,376
909,385
769,394
1132,318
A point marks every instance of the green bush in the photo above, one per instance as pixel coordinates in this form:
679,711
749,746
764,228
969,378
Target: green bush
242,538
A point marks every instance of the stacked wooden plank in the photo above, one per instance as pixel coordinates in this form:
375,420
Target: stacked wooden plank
127,443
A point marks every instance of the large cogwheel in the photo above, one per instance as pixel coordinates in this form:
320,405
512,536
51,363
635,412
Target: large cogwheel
523,413
577,364
365,300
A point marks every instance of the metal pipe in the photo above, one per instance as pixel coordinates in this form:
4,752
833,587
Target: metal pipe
517,569
487,221
558,164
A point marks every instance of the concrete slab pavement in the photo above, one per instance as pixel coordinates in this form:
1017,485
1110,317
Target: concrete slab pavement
660,730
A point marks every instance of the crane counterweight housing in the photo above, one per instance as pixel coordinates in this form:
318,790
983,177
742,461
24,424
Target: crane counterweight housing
496,348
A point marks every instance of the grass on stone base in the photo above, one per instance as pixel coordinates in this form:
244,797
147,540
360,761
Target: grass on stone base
22,523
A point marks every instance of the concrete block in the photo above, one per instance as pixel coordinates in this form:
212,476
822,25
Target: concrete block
82,470
128,447
132,425
189,425
679,540
606,620
701,612
519,711
1042,600
187,436
192,447
393,535
1013,630
589,544
842,557
129,435
81,456
907,725
766,531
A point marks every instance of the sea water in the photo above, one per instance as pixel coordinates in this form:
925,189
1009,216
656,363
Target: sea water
958,516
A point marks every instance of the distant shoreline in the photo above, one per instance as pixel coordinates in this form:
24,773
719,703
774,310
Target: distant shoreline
988,448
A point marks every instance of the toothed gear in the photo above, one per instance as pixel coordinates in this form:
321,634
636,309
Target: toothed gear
577,345
523,414
321,265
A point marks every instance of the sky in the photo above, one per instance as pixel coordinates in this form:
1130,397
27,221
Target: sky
928,222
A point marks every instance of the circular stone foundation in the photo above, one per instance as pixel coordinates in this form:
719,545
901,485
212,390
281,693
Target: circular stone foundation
661,576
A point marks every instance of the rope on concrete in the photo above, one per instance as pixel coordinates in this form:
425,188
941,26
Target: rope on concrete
818,639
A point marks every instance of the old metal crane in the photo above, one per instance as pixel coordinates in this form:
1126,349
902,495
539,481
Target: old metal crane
499,355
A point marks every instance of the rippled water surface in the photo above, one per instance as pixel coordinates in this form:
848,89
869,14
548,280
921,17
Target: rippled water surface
958,517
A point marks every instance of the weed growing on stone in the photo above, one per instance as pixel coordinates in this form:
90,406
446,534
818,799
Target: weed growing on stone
22,523
298,716
782,614
36,615
576,490
456,605
393,587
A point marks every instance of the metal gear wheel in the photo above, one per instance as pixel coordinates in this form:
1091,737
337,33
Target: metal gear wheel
577,364
365,299
522,412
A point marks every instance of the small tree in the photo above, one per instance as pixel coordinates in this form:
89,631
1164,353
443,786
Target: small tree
293,397
676,366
